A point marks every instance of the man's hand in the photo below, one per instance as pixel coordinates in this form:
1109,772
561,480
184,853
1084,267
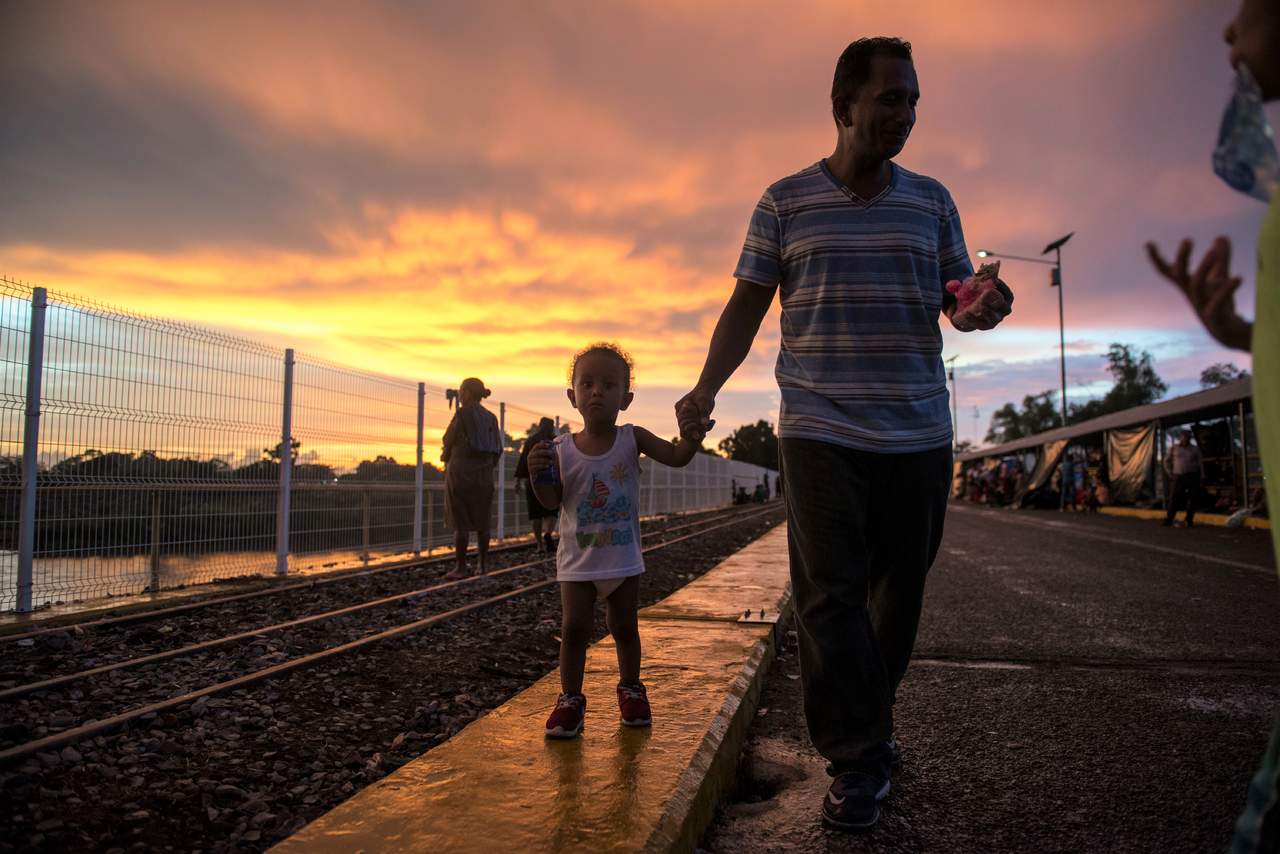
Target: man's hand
986,312
693,414
1211,289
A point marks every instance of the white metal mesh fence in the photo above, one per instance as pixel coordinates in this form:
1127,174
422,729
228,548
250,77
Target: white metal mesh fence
162,461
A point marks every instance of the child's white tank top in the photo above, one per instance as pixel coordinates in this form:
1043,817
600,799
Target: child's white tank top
600,512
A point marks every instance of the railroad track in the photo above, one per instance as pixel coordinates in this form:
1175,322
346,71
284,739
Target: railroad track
99,644
111,653
185,673
338,577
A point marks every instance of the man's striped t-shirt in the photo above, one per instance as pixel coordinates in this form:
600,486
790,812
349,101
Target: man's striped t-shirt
862,286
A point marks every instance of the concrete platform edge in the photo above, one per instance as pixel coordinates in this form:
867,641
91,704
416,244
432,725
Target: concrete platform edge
393,815
712,772
1217,519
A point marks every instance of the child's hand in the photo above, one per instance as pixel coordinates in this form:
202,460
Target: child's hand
540,459
691,428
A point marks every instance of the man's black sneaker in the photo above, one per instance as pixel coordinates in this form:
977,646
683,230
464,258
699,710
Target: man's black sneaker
895,752
853,801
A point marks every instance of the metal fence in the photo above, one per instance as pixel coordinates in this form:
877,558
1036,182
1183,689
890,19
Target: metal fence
140,454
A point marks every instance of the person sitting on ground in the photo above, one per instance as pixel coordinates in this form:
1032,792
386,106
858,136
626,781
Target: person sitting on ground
1186,466
597,492
472,448
545,432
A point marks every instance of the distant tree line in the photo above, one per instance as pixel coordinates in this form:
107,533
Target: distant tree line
98,503
1136,383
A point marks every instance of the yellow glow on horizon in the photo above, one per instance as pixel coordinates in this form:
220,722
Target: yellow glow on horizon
422,294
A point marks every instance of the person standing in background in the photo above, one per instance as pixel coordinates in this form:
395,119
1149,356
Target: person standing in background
545,432
1185,466
472,448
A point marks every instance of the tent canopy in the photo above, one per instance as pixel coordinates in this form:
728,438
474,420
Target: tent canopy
1213,402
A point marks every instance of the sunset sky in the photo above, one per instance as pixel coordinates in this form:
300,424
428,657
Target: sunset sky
434,190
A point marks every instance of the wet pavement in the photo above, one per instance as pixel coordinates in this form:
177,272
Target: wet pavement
501,785
1081,683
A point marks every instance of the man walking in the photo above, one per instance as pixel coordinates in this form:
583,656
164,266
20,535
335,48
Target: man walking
1185,466
860,250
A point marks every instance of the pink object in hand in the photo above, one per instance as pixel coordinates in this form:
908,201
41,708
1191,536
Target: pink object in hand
971,289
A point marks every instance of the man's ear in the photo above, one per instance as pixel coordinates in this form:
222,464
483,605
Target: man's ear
840,111
627,398
573,401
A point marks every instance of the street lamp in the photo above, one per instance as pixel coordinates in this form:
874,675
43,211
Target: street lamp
1055,281
955,406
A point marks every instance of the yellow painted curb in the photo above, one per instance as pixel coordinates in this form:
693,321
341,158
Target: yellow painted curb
1201,518
500,784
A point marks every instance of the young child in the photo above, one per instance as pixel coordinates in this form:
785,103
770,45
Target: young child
596,487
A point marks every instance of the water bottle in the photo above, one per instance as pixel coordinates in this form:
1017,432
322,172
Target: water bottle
550,476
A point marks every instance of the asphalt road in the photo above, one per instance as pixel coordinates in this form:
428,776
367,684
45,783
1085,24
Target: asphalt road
1080,684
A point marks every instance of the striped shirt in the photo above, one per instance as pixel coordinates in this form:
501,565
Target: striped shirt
862,288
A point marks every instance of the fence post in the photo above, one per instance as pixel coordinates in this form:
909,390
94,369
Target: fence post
502,472
364,525
431,521
1244,452
155,542
286,470
652,487
30,446
417,475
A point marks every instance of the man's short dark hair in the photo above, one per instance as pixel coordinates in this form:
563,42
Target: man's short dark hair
854,68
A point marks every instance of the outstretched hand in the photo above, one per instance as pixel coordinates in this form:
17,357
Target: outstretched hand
1210,289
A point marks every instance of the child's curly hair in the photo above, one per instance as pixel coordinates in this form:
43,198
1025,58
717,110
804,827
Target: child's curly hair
605,347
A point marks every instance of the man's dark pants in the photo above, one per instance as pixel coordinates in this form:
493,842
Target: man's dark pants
863,529
1186,488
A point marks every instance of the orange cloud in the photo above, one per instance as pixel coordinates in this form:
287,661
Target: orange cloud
424,188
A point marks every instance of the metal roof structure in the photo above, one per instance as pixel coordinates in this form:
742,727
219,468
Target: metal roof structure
1213,402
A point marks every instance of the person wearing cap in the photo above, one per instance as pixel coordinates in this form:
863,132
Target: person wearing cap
545,432
472,448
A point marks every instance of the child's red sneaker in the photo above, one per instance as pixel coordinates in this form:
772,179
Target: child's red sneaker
566,717
633,702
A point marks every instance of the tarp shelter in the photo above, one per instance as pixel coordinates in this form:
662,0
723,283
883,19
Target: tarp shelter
1131,456
1133,439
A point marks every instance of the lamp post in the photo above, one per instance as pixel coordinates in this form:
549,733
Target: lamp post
1055,281
955,405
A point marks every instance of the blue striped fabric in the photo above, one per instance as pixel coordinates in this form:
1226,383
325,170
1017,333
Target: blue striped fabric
862,289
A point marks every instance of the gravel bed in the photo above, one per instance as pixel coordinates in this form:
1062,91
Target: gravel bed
241,771
76,649
98,697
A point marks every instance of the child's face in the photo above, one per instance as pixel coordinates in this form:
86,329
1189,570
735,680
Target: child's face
599,388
